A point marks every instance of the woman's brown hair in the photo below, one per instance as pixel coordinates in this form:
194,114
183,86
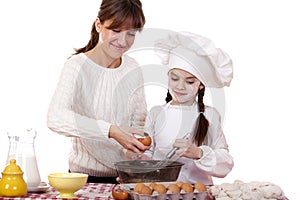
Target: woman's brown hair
202,123
117,11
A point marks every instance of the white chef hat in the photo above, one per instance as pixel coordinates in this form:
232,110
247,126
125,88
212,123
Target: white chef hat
198,56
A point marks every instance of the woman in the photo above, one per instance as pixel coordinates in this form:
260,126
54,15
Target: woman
99,100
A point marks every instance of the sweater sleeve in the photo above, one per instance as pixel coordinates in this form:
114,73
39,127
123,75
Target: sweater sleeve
216,159
61,117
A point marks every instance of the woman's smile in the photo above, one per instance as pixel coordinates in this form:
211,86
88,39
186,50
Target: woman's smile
118,47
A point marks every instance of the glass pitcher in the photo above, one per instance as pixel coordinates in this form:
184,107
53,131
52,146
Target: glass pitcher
21,148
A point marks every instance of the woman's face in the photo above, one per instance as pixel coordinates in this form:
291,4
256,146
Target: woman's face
183,87
117,41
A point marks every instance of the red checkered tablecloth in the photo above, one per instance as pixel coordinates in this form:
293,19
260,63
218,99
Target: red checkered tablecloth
89,191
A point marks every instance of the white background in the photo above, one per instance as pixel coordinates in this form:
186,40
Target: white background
262,104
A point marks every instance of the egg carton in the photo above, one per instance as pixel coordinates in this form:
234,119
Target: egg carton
181,196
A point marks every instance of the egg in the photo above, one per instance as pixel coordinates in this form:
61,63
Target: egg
120,194
146,190
152,185
138,187
179,183
160,189
145,140
187,187
174,188
200,187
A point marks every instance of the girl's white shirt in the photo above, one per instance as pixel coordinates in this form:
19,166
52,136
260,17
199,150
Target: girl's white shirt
90,98
167,122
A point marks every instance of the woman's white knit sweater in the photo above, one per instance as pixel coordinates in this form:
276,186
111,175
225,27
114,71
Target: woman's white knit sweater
89,99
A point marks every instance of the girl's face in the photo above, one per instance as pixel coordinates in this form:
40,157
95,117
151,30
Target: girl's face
117,41
183,87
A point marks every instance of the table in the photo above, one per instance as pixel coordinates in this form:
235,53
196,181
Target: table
96,191
89,191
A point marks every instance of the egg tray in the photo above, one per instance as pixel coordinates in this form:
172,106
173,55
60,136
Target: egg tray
181,196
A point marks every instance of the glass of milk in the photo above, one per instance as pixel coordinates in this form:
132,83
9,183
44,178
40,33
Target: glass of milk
21,148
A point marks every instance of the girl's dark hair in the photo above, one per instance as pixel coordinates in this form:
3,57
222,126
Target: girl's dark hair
169,97
202,123
117,11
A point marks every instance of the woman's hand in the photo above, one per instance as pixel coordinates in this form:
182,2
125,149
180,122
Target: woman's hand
125,136
187,149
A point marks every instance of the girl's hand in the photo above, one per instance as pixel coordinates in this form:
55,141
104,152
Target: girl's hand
125,136
187,149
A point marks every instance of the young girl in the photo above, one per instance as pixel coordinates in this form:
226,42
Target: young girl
194,64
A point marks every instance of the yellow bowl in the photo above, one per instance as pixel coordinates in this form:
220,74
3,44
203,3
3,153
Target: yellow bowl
67,183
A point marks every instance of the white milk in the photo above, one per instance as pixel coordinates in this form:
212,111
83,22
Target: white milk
29,166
